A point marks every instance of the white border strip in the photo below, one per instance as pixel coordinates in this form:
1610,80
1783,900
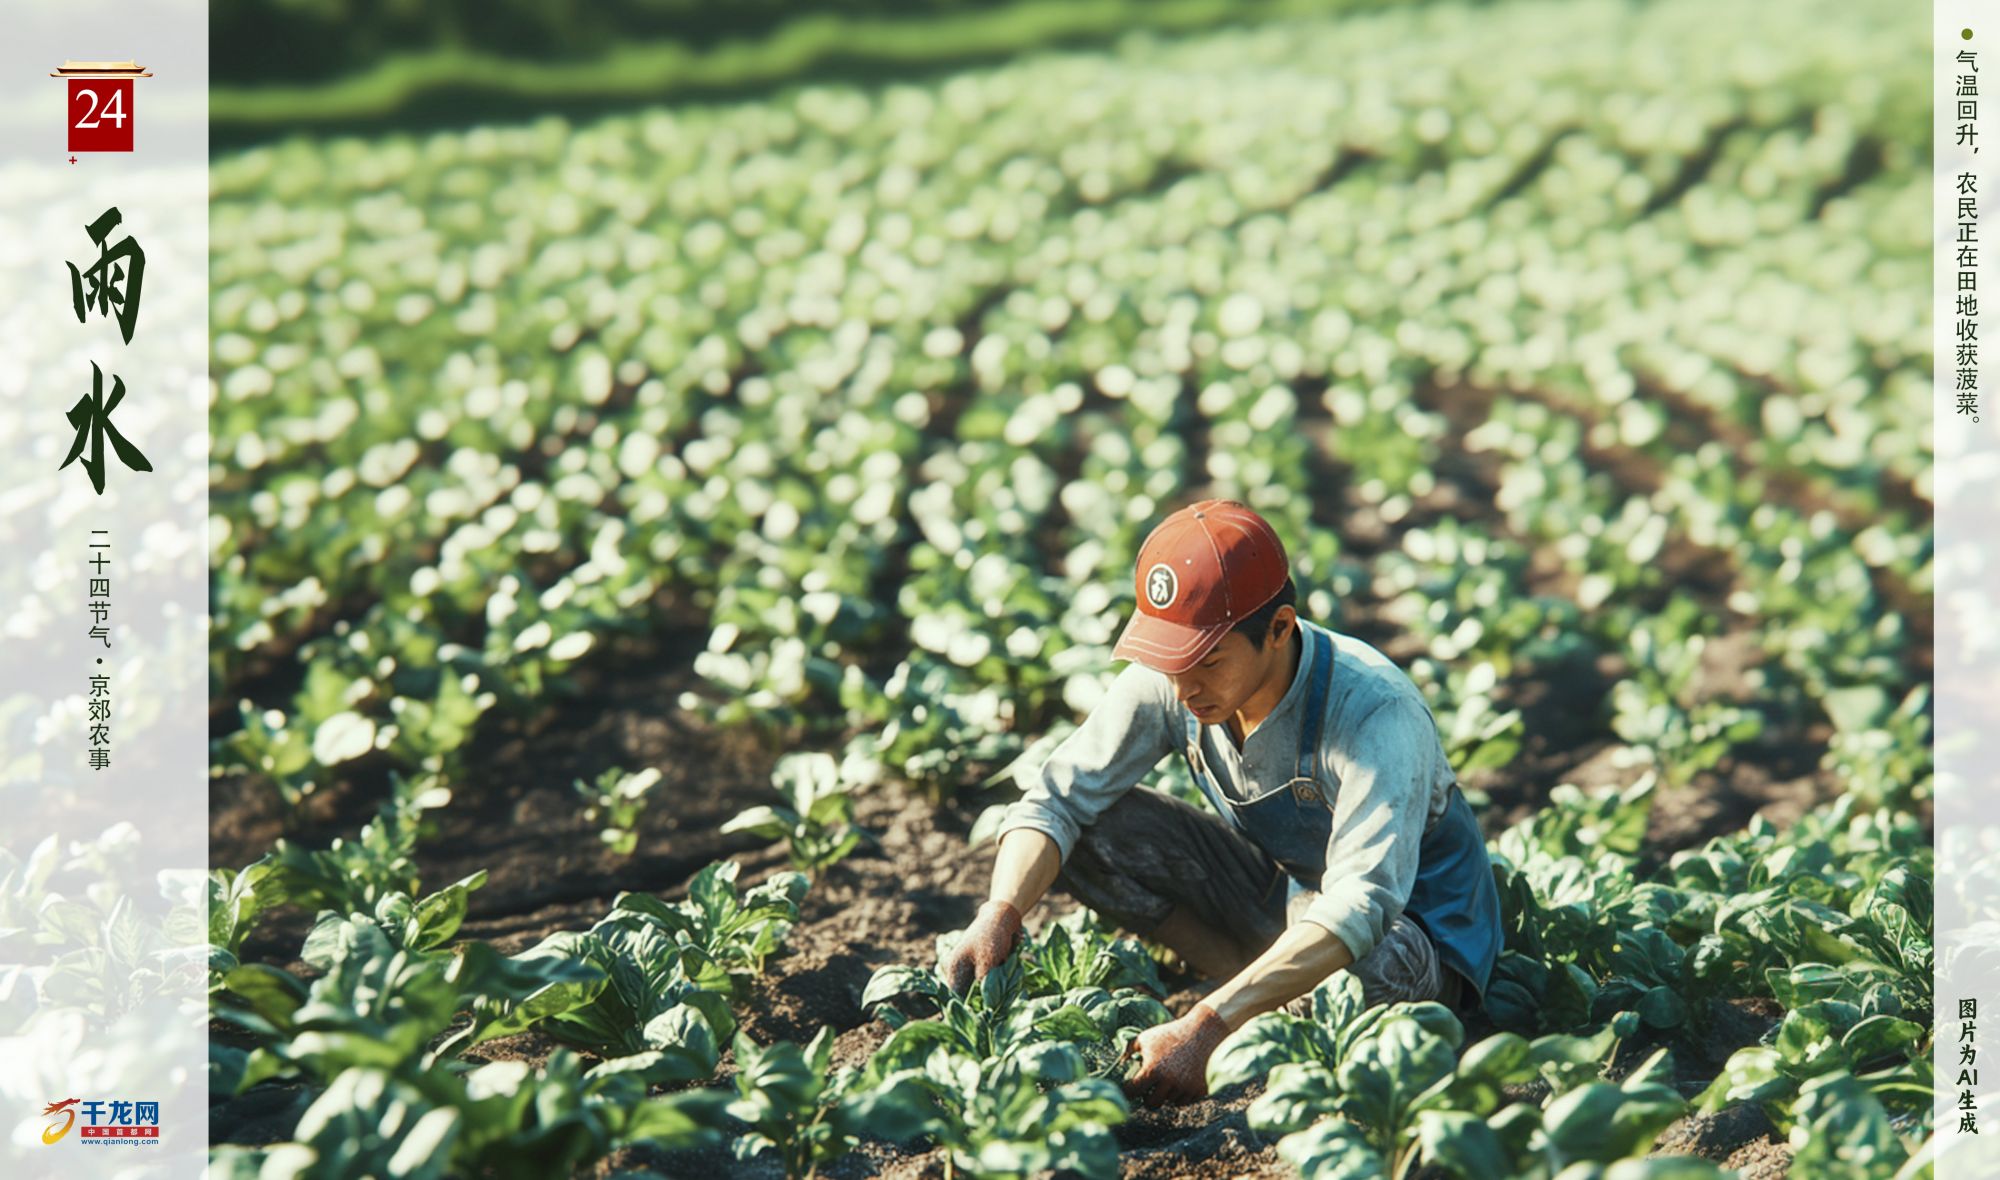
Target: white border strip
1967,491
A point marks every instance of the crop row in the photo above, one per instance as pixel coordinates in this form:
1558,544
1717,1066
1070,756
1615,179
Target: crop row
787,352
1830,917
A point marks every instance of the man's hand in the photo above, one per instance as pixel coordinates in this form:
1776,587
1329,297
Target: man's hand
986,945
1173,1057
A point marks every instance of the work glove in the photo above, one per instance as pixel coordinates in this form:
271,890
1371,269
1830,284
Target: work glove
1173,1057
986,945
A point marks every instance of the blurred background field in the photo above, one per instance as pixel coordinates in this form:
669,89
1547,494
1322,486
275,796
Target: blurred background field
327,63
807,383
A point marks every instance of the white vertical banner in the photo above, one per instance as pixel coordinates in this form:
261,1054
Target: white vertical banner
1966,85
103,595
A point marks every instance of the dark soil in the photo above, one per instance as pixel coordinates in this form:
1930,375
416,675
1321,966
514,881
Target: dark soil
518,819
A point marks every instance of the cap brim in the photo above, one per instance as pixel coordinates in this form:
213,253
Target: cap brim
1166,647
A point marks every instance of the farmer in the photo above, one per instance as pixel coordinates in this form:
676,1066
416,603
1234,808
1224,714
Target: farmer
1340,840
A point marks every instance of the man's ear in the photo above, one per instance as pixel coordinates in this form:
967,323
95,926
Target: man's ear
1282,624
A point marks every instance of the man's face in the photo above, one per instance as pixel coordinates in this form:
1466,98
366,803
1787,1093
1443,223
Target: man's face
1235,670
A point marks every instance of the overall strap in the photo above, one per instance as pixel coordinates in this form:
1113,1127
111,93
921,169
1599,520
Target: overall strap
1322,679
1191,754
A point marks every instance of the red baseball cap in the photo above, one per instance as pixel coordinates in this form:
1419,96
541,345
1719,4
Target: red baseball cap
1201,571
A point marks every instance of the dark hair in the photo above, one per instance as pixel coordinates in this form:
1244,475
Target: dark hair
1257,624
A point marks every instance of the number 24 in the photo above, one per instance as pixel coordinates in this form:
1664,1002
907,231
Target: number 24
113,110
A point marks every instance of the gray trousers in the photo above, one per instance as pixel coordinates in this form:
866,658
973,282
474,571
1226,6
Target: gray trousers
1149,853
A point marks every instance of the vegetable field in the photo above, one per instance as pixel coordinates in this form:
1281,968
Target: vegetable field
647,552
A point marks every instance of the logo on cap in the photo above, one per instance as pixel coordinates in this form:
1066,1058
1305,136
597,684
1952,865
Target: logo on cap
1201,571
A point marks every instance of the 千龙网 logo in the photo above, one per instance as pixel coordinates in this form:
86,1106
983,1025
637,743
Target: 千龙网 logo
103,1122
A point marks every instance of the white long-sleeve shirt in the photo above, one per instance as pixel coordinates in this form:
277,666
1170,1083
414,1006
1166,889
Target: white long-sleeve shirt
1381,763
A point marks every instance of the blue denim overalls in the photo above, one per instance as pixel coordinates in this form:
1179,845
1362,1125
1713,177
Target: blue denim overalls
1453,898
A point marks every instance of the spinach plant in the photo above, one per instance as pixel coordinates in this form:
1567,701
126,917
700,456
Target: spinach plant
1824,1038
734,932
616,800
809,1115
1028,1109
1366,1088
818,825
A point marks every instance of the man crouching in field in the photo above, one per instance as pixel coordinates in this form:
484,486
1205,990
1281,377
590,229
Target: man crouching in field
1340,839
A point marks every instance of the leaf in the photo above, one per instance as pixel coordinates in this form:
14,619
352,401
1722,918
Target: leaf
1264,1043
847,843
1655,1070
1751,1074
272,994
1661,1008
1868,986
379,1126
1842,1130
779,1080
1332,1149
1518,1127
650,1068
1602,1122
341,738
1513,1006
690,1118
1498,1061
1853,710
910,1046
427,1146
1649,956
1001,986
331,940
511,995
1069,1023
1338,1002
778,896
898,980
1434,1018
1383,1073
1298,1095
263,1065
440,915
829,809
766,822
1050,1063
1880,1036
225,1069
1462,1144
1567,1061
714,1008
1087,1102
654,910
68,923
1570,998
1056,958
394,912
898,1109
713,891
685,1041
1133,967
